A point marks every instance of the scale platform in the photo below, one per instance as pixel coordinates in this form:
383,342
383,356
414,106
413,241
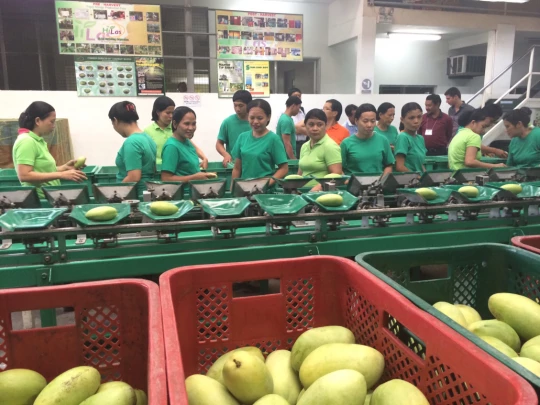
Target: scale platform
393,181
79,212
484,194
436,178
166,190
280,204
530,190
203,189
329,184
18,197
183,208
443,195
115,192
30,219
249,187
505,174
361,182
225,207
349,200
67,195
292,185
468,176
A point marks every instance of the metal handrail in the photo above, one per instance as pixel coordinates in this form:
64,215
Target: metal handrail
502,73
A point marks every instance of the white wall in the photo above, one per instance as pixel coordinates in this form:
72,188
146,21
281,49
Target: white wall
93,136
344,58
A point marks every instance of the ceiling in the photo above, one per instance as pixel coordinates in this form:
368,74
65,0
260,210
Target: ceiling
446,32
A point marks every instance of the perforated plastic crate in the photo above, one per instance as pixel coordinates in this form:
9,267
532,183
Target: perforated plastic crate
117,330
203,319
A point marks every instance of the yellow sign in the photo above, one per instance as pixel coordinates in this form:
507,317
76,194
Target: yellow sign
257,78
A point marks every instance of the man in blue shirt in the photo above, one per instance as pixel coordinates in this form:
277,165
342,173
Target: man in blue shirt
350,124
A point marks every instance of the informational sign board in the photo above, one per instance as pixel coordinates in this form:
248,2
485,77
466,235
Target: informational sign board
105,77
246,35
96,28
150,76
257,78
230,77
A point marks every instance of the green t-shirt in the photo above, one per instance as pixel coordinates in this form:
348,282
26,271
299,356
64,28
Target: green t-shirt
259,156
458,148
370,155
413,148
285,126
525,152
159,136
314,161
391,133
138,152
31,149
230,130
180,158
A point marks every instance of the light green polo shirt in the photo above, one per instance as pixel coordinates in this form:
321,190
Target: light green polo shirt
138,152
285,126
413,148
159,136
180,158
457,149
391,133
525,152
230,130
370,155
31,149
314,160
259,156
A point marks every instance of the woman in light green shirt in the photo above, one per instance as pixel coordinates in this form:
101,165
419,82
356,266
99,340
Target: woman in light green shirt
465,148
160,130
524,149
34,164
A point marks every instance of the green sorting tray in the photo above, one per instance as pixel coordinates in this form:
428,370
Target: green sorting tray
27,219
225,207
349,200
280,204
467,274
183,208
530,190
484,193
79,212
443,195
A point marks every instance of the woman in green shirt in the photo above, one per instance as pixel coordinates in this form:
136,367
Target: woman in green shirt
34,164
367,151
321,155
136,159
385,116
161,129
180,160
259,151
524,149
465,148
410,147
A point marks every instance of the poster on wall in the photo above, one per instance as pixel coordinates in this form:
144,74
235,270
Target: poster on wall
105,77
257,78
230,77
108,29
150,76
259,36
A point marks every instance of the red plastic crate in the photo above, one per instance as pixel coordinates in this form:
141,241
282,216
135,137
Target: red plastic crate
117,330
202,320
530,243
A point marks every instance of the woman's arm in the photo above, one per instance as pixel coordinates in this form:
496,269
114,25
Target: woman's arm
387,170
133,176
237,170
220,147
336,168
202,156
488,150
168,176
281,172
27,174
472,162
400,163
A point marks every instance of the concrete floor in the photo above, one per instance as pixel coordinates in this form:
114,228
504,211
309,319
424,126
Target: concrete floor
32,319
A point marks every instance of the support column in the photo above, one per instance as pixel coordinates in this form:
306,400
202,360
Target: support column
190,65
500,55
365,55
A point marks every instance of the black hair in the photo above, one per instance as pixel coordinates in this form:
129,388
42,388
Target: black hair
38,109
242,95
526,110
434,98
293,100
469,116
383,108
316,113
179,113
294,90
493,110
160,105
407,108
349,109
263,105
124,111
519,115
364,108
452,92
336,107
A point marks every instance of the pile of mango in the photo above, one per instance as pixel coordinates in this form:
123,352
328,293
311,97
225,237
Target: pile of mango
324,367
515,329
78,386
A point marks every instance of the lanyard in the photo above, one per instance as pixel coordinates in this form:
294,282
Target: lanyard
434,125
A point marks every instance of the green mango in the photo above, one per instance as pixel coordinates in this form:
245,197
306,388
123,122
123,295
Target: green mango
531,365
116,394
451,312
469,191
293,177
499,345
521,313
163,208
497,329
272,399
330,200
80,162
513,188
70,388
398,392
104,213
286,382
216,371
20,386
427,193
333,176
470,314
202,390
339,387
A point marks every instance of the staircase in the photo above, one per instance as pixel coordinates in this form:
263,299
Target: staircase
531,98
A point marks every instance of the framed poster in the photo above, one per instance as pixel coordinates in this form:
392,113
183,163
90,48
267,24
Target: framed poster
259,36
150,76
230,77
105,77
257,78
96,28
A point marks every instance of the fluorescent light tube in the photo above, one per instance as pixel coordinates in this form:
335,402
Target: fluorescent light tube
414,37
